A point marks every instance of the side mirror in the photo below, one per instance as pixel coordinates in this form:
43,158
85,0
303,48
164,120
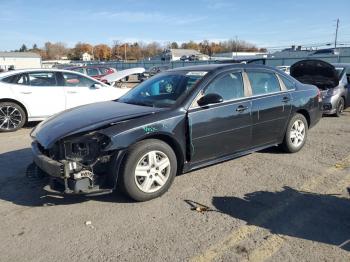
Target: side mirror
96,86
208,99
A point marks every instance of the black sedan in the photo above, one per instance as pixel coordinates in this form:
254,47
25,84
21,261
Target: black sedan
175,122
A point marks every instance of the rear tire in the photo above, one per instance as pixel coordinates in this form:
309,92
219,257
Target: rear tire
12,117
296,134
340,107
149,169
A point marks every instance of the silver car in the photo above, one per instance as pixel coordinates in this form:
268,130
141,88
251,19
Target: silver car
333,80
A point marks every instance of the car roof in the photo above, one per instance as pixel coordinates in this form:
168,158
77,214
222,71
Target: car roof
87,66
217,67
13,72
341,64
34,70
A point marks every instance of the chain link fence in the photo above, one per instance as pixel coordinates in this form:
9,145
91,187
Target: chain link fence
119,65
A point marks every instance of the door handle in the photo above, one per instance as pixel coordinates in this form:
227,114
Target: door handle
285,99
241,108
72,92
26,92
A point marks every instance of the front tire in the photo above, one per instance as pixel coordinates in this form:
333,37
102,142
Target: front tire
340,107
12,117
149,169
296,134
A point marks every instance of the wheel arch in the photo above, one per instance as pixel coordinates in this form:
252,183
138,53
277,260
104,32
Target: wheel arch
171,141
306,114
17,102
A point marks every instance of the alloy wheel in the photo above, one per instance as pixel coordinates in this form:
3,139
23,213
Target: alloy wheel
152,171
297,133
10,117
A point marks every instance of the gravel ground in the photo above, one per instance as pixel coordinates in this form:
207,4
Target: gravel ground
267,206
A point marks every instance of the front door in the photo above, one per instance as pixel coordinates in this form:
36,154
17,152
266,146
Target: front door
221,129
81,90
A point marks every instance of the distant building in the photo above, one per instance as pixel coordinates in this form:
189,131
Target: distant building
86,57
54,63
176,54
238,55
19,60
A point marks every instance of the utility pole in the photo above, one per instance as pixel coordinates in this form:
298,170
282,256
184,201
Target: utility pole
336,34
236,46
125,52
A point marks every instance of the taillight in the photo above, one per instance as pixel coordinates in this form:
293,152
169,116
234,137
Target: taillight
319,95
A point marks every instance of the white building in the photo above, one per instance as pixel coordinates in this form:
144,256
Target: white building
238,55
19,60
86,57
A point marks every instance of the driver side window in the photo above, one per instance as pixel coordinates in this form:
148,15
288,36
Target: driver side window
77,80
229,86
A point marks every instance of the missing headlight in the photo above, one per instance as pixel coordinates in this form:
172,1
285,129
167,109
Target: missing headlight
86,148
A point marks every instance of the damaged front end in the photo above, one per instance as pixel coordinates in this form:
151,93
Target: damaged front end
77,164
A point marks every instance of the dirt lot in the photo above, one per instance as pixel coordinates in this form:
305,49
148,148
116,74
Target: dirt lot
265,206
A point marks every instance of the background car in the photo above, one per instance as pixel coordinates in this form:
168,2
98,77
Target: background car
153,71
174,122
97,72
331,79
35,94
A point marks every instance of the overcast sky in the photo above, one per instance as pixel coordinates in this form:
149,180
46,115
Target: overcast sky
266,23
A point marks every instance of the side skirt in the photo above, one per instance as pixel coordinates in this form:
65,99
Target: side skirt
193,166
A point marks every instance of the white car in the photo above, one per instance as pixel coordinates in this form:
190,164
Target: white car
35,94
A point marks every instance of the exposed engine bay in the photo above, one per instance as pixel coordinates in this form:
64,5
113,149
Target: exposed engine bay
83,163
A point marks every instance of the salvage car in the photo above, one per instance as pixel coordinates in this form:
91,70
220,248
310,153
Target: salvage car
35,94
332,79
174,122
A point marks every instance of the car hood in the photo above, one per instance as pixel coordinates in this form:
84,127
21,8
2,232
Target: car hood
86,118
114,77
315,72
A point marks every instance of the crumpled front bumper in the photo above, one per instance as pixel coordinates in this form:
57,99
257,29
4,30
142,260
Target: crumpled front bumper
46,164
60,176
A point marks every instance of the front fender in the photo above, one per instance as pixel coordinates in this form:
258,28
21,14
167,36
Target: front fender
126,133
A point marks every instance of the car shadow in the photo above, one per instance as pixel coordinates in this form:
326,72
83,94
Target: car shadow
19,185
323,218
273,150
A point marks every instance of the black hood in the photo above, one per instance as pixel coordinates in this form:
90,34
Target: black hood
86,118
315,72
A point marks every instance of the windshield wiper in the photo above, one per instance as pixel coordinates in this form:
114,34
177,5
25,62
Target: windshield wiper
138,103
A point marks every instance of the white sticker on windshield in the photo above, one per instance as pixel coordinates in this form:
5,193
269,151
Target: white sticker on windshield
196,73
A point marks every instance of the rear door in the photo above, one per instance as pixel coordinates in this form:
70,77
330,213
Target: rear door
40,93
225,128
271,107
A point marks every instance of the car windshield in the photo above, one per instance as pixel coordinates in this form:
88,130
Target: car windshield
163,90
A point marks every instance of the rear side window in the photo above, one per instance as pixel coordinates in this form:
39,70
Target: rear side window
288,83
19,79
104,70
229,86
42,79
263,83
92,71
